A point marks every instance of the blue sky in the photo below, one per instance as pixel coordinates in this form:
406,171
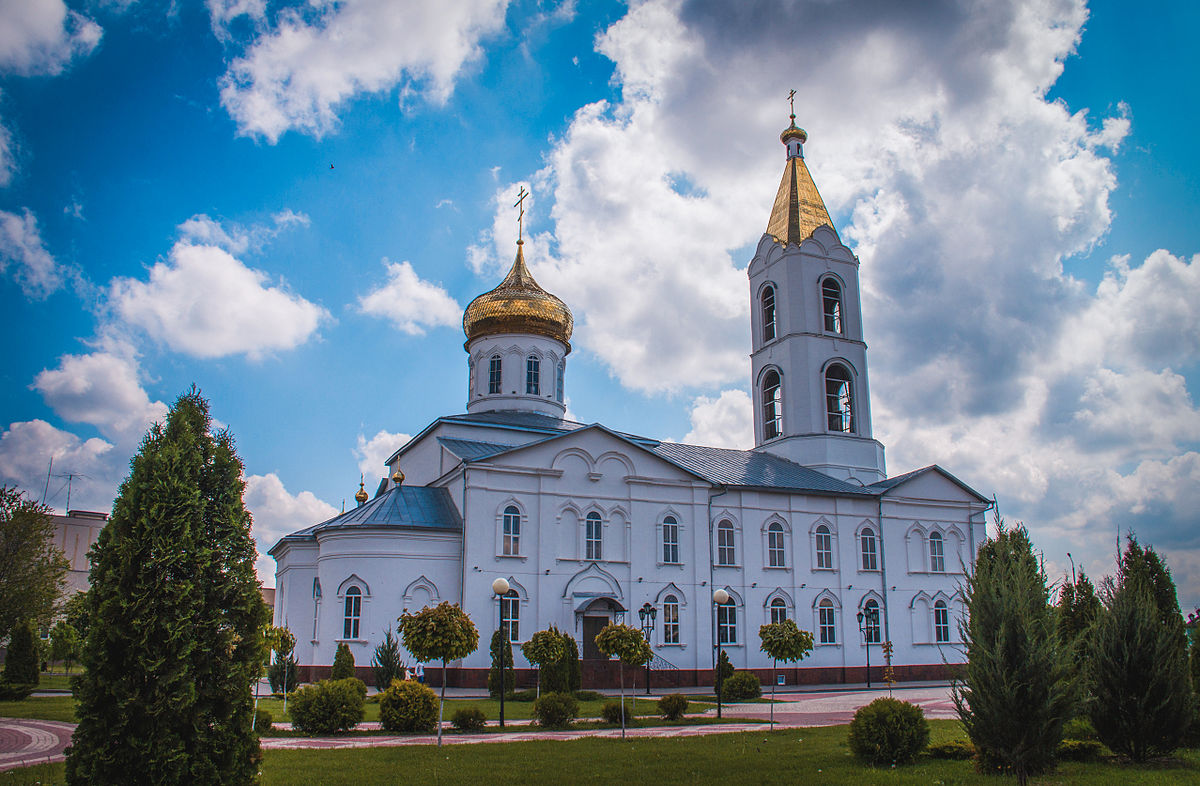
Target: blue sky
289,204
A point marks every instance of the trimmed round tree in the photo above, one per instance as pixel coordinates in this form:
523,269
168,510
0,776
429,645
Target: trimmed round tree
545,646
444,633
629,645
783,641
343,663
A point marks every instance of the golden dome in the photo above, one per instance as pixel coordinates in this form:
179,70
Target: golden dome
361,495
519,305
793,132
397,476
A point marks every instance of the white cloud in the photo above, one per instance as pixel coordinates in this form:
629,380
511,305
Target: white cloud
723,422
8,164
21,248
26,451
277,513
311,60
373,452
410,303
235,238
204,302
101,388
42,37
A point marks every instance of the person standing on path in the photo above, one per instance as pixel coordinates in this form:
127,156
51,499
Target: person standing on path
419,671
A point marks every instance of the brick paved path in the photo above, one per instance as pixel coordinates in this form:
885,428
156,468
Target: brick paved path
25,742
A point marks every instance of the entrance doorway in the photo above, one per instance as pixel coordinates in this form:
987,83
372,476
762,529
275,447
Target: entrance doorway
591,627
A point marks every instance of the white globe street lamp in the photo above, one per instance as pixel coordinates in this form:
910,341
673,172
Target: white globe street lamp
500,587
720,598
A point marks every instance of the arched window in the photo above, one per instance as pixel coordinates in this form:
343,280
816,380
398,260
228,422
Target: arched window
839,401
937,558
871,621
494,374
670,538
775,553
559,381
772,402
941,623
670,620
512,531
870,559
831,299
533,374
824,548
510,614
768,313
593,537
353,613
827,622
727,622
726,554
778,610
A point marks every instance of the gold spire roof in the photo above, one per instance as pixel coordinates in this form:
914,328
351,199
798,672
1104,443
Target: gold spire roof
798,208
519,305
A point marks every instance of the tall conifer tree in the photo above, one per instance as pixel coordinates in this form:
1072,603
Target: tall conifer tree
175,607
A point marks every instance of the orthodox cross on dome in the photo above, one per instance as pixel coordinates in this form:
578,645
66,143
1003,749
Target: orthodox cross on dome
792,102
520,203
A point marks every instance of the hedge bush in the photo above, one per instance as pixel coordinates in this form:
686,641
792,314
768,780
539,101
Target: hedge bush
262,721
555,710
522,695
15,691
408,706
888,731
589,695
611,712
741,686
328,706
672,707
1080,750
954,750
1079,729
469,719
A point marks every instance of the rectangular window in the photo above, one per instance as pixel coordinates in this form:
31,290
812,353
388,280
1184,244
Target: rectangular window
869,559
941,624
512,532
726,554
353,614
824,549
510,615
593,537
533,372
559,382
775,554
494,375
670,622
670,542
937,560
778,611
827,624
727,623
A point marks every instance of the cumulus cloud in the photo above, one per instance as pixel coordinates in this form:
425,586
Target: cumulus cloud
276,513
101,388
8,164
410,303
21,248
43,37
722,422
373,452
299,70
31,449
205,302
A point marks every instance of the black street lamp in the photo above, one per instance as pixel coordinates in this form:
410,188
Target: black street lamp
720,598
646,614
500,587
870,616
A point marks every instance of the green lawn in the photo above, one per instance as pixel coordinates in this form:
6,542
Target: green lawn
59,708
56,681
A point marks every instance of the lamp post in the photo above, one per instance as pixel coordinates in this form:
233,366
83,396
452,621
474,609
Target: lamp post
720,598
867,620
500,587
646,614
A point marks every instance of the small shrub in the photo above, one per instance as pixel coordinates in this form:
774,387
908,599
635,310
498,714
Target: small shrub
1079,729
888,731
343,663
408,706
555,710
672,707
611,712
741,686
15,691
21,660
262,721
1080,750
955,750
522,695
468,719
328,706
589,695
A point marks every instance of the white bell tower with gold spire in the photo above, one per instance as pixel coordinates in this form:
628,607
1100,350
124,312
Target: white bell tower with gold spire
812,400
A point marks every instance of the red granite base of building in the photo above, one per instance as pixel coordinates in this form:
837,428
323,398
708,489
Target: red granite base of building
600,674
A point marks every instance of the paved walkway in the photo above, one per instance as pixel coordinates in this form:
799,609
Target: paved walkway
24,742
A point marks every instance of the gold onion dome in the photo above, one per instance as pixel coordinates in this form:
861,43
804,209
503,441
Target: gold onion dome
518,305
361,495
793,132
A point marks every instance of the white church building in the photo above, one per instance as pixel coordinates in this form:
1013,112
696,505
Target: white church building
589,524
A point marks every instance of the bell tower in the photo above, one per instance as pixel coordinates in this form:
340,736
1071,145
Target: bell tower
812,400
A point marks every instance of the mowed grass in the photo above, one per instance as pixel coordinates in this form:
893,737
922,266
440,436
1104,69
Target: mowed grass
59,708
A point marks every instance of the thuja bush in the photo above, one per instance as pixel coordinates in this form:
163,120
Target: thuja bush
611,712
741,686
672,707
343,663
328,706
408,706
262,721
468,719
555,710
888,731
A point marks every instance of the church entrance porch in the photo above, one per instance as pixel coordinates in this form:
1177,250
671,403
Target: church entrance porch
591,628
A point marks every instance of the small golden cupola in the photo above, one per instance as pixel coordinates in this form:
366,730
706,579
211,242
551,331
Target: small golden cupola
519,305
798,208
361,495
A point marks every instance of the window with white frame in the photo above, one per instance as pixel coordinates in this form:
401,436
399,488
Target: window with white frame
768,313
352,614
827,622
778,610
870,559
533,375
775,552
772,405
839,399
670,620
937,558
510,614
831,300
512,531
824,548
871,621
727,622
726,553
670,540
941,622
593,537
494,374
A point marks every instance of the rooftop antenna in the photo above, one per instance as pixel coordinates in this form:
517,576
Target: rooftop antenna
46,488
70,476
